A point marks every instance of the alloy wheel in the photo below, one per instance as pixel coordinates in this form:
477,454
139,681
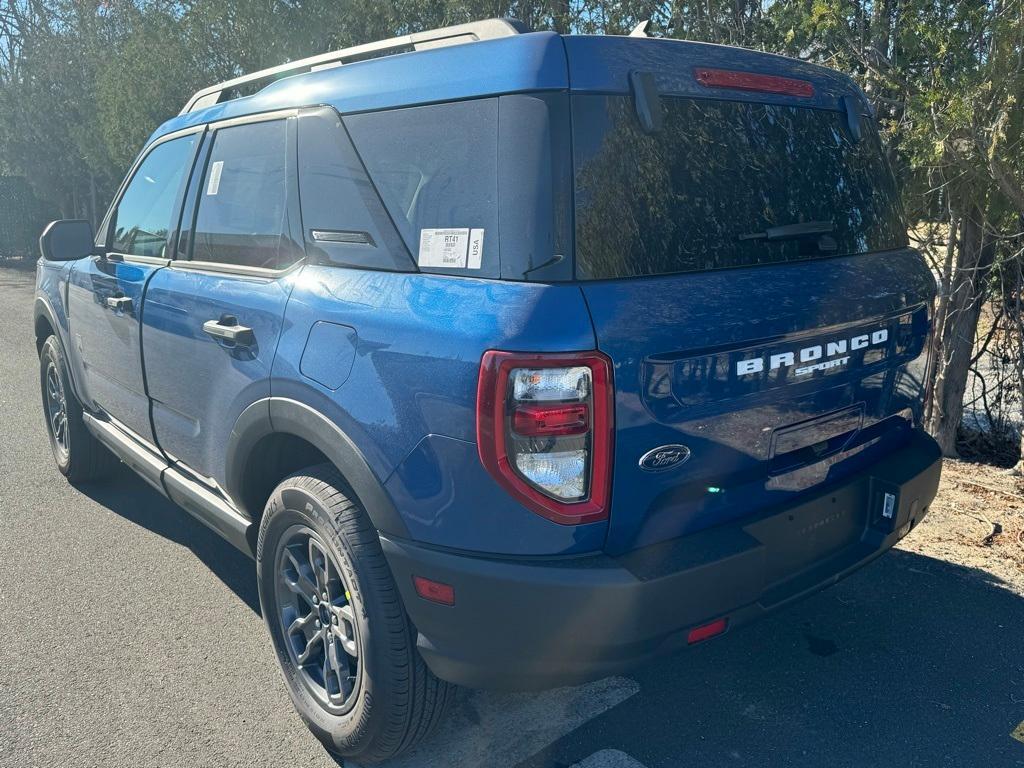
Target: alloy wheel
57,411
317,619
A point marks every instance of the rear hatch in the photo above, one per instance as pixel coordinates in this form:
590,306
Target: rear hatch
740,245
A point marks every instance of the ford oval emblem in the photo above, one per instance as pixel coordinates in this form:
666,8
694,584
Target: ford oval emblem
664,457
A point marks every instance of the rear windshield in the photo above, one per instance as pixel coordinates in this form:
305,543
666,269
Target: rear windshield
706,191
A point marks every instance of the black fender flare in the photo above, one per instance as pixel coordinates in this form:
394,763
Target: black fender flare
286,416
42,309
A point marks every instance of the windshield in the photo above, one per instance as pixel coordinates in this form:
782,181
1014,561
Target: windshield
723,184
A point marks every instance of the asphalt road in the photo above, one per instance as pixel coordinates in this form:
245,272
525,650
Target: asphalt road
131,636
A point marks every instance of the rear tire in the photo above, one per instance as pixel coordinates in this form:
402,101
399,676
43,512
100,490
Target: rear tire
79,456
359,683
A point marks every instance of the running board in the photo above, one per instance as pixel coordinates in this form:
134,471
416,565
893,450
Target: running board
146,464
199,502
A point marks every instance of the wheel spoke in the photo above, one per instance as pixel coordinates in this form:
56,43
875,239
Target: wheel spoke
302,623
321,567
311,646
345,630
301,585
335,672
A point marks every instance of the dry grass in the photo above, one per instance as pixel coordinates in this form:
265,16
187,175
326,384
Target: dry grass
974,501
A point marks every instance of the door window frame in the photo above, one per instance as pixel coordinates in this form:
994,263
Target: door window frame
183,251
105,233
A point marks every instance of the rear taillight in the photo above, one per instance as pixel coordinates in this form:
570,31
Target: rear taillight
544,431
752,81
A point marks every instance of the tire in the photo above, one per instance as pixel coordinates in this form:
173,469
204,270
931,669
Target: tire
381,701
80,457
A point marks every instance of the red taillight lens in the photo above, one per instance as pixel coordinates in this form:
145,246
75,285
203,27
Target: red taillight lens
551,420
544,431
751,81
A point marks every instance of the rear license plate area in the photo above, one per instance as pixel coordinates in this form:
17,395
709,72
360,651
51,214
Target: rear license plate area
808,533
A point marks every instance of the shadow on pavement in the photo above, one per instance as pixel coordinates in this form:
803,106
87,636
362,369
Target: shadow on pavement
912,661
128,496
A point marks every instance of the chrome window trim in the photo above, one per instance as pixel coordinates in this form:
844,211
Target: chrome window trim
234,269
128,258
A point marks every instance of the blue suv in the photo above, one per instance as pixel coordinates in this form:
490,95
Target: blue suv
514,359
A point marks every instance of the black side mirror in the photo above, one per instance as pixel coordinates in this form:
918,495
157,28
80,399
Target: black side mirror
67,240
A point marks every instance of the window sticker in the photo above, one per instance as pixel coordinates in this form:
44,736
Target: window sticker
215,171
451,248
476,248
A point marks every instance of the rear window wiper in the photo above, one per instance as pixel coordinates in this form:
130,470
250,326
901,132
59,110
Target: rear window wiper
792,231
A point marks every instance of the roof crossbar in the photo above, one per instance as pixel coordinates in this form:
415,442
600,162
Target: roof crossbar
434,38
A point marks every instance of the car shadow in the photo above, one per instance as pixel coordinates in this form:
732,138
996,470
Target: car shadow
912,661
131,498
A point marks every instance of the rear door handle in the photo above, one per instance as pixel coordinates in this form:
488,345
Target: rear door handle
228,330
119,303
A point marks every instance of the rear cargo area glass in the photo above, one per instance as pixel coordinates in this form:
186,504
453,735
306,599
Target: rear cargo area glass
697,194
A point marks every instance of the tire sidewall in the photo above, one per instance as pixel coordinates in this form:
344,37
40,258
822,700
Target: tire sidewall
293,505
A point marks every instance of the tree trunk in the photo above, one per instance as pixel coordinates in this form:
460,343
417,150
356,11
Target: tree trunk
938,322
959,328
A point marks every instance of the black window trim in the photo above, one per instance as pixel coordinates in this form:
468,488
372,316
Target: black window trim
105,234
412,267
194,191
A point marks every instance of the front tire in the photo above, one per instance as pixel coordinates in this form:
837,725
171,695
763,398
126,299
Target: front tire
79,456
341,634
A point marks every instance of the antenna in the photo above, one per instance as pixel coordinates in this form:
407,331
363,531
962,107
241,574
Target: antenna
640,30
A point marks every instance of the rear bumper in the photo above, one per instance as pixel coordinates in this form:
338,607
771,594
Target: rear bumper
530,624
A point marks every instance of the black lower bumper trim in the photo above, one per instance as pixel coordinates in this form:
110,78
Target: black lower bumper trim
531,624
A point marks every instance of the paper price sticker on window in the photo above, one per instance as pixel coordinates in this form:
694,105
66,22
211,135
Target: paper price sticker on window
451,248
215,172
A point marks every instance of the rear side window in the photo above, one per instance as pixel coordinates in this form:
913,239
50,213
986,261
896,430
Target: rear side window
703,192
143,215
242,218
435,168
345,222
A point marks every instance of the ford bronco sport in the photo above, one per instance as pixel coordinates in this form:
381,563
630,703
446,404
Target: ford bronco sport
514,359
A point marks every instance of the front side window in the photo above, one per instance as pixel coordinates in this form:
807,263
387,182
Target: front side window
725,184
143,217
242,216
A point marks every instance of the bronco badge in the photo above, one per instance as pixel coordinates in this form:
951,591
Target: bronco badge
664,457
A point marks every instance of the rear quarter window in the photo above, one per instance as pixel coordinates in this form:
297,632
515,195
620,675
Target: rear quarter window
695,195
435,168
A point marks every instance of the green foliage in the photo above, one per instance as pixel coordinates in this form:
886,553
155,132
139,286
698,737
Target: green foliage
84,82
22,216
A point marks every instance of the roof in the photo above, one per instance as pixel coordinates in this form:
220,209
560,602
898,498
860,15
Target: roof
535,61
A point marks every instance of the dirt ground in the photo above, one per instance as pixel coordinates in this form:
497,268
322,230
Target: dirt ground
976,521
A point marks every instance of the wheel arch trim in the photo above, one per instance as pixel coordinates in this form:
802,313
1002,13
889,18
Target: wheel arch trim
286,416
42,309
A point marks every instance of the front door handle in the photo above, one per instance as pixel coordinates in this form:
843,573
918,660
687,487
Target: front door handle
228,330
119,303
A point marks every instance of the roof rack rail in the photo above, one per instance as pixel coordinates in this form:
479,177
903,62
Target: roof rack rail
434,38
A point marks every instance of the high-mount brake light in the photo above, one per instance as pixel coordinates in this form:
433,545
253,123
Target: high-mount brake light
752,81
544,431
